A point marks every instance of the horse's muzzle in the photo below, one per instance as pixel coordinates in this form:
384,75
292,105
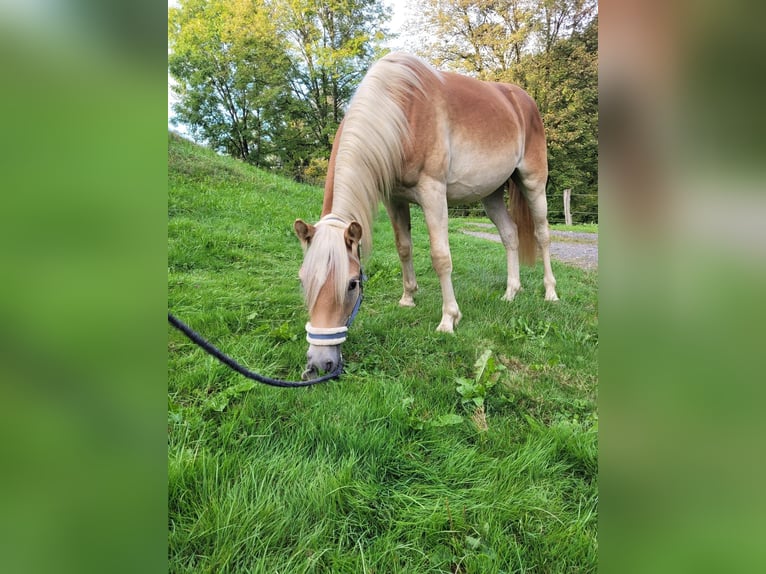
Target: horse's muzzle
321,358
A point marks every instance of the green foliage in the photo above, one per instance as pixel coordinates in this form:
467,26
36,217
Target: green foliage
383,470
331,45
316,171
487,372
220,401
267,81
579,228
564,82
232,72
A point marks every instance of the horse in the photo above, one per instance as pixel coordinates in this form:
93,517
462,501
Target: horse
413,134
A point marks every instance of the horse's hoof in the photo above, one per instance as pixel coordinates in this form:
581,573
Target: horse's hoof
447,325
511,292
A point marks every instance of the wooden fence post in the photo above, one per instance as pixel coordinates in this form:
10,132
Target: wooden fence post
567,212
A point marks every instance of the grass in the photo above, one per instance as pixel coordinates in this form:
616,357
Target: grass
579,227
392,468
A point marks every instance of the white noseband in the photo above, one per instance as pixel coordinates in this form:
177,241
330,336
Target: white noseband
325,336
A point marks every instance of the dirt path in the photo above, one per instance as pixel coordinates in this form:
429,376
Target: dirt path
570,247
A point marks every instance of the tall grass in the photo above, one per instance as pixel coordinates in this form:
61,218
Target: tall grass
386,469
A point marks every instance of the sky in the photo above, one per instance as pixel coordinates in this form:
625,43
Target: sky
401,9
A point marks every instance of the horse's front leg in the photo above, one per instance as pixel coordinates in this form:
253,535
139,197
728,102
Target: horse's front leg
434,203
399,213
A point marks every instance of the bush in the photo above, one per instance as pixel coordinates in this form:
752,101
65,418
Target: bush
316,171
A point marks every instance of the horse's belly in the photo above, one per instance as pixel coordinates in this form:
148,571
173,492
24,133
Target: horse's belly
466,192
476,183
474,176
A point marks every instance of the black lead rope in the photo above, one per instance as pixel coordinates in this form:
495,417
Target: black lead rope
234,365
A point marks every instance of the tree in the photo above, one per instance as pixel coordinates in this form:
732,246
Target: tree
485,38
268,81
231,67
331,46
565,80
556,20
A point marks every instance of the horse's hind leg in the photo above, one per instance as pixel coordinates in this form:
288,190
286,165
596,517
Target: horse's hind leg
495,207
533,188
399,213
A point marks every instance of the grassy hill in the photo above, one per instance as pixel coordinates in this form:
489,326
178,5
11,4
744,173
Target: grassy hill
405,464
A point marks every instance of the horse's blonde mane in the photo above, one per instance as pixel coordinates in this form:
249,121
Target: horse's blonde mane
374,138
369,161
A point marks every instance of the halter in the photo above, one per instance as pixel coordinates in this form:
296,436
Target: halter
331,336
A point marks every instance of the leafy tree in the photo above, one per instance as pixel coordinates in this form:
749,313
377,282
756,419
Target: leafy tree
268,80
564,81
485,38
555,20
331,46
231,67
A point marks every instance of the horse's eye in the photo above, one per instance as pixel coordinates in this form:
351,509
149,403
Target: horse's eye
352,284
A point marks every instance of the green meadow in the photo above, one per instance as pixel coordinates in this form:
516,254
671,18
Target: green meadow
474,452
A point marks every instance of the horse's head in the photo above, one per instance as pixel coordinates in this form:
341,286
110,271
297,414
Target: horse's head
331,276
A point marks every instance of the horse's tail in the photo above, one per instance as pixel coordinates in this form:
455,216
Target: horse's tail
518,206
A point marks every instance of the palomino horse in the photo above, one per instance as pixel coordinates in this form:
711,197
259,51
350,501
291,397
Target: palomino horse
416,135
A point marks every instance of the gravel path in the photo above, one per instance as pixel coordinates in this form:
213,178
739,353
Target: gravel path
571,247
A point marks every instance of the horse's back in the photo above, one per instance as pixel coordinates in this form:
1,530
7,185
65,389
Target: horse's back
466,133
480,106
483,130
531,122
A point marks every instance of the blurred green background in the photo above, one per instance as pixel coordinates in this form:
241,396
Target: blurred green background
82,330
682,270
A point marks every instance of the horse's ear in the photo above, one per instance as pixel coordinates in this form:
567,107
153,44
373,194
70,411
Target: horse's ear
304,231
353,234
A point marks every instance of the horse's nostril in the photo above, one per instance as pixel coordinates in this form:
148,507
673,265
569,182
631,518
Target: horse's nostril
329,366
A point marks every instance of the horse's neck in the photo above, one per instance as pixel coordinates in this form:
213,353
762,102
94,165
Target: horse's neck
329,184
327,202
329,187
341,207
344,207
